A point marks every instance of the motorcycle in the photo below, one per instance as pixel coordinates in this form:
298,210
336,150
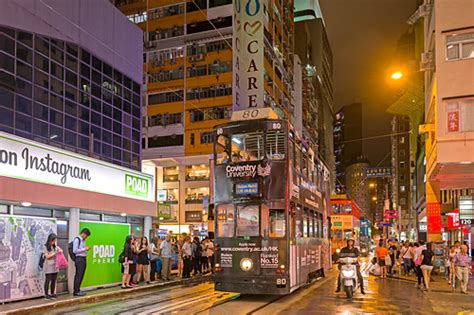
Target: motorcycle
349,279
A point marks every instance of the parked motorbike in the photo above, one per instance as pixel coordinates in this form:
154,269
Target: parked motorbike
349,280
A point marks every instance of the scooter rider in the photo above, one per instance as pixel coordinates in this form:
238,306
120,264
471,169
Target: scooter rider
350,251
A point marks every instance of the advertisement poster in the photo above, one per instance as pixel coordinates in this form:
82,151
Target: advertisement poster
106,243
21,244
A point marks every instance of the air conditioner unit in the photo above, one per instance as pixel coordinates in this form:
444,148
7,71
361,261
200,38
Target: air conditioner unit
427,56
199,57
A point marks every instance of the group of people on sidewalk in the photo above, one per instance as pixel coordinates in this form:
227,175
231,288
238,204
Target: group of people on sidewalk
418,258
138,255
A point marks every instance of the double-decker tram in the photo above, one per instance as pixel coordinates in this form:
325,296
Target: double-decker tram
271,195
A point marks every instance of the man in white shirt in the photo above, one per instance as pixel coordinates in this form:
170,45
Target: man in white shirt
166,254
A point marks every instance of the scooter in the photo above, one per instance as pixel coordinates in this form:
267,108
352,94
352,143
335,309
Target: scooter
349,279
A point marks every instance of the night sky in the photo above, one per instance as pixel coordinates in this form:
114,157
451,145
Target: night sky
363,36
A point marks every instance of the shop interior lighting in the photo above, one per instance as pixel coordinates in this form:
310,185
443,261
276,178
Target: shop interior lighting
123,214
26,204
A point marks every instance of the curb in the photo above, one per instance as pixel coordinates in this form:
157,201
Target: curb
101,296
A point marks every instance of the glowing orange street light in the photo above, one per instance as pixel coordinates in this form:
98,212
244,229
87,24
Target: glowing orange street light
397,75
371,185
374,198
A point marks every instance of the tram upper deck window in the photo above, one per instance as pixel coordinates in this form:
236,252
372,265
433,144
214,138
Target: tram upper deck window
247,147
275,144
225,220
247,220
348,208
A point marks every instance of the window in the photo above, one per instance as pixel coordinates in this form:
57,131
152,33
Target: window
402,188
168,195
247,147
460,115
196,115
222,147
225,220
305,223
206,137
137,17
170,174
460,46
402,139
402,164
248,220
197,172
165,141
402,177
275,144
212,91
165,119
196,195
403,201
167,97
401,152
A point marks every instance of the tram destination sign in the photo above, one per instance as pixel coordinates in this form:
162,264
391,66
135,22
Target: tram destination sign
248,188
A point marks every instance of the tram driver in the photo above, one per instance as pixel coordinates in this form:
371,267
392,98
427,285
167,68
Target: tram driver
350,251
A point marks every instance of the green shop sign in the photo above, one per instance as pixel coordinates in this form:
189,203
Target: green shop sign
106,243
136,185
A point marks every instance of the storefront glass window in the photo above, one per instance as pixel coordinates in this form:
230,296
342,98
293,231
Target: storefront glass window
170,174
225,220
197,172
247,221
196,195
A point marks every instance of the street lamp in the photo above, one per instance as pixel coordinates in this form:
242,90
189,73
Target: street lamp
397,75
374,198
371,185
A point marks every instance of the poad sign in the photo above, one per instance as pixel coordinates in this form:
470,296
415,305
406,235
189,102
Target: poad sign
248,56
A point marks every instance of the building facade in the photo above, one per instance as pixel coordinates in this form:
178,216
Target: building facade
70,111
347,140
448,64
188,64
357,185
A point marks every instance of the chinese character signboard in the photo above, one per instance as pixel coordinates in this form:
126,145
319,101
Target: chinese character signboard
193,216
453,121
106,243
374,172
434,217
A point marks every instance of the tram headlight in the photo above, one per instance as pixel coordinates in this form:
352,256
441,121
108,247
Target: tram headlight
246,264
338,250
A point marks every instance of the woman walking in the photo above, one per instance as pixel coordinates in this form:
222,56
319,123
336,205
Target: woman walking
427,258
381,252
51,271
154,258
143,260
128,255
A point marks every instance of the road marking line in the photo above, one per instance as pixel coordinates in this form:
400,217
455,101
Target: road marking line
179,303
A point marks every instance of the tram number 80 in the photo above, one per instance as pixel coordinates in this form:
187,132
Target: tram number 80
281,282
250,113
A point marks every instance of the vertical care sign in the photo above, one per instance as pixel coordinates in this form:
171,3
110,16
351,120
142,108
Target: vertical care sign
28,160
248,55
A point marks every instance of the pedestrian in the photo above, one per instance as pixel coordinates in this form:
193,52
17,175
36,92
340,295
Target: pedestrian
457,246
197,255
382,252
154,258
143,260
128,256
204,258
392,250
427,259
419,248
80,251
450,268
166,254
133,265
210,254
406,257
50,269
462,263
187,252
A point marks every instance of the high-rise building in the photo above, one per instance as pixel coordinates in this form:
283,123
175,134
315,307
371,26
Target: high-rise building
401,181
70,133
316,61
315,55
347,140
448,63
188,64
357,185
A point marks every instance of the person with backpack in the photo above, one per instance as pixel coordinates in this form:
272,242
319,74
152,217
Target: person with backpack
197,255
49,266
79,250
127,257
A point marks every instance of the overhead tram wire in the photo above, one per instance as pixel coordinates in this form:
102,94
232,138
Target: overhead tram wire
377,137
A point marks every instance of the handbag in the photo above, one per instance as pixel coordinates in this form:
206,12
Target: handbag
61,261
418,261
388,260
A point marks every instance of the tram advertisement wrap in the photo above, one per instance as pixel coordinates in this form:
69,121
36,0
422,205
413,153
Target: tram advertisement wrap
269,255
106,243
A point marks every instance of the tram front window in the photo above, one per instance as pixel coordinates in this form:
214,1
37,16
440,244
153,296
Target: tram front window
247,220
247,147
225,220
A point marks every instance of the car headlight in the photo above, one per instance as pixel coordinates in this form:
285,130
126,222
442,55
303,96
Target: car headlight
246,264
348,273
338,250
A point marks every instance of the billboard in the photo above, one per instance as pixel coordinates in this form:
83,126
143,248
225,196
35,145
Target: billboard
29,160
106,243
248,54
21,243
375,172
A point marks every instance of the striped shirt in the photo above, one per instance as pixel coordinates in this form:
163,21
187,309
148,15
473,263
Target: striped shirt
461,260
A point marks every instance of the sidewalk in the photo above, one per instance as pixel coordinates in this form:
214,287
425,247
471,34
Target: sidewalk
438,283
34,306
